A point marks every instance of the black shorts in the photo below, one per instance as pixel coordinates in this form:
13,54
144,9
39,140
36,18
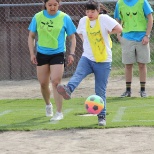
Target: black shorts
50,59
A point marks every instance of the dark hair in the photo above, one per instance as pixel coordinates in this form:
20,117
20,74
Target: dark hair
94,5
45,1
103,9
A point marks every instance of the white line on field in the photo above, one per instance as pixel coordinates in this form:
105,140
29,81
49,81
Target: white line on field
5,112
136,120
141,106
119,114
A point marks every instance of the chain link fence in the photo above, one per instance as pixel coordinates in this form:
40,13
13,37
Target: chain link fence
15,17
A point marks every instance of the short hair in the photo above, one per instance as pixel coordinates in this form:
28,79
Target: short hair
45,1
94,5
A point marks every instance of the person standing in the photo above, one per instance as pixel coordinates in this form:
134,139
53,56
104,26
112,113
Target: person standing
136,19
51,26
94,30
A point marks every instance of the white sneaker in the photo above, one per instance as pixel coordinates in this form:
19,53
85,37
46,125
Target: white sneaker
49,110
57,116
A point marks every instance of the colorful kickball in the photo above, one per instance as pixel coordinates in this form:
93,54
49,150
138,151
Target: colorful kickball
94,104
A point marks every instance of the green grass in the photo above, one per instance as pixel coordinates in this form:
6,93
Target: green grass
29,114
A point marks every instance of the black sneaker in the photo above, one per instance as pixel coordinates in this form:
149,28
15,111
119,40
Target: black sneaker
143,94
64,91
126,94
101,120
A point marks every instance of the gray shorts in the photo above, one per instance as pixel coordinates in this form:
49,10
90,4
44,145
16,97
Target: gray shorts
133,52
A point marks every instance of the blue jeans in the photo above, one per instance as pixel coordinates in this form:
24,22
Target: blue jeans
101,72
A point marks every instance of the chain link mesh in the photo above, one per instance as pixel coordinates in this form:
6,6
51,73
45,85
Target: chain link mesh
15,16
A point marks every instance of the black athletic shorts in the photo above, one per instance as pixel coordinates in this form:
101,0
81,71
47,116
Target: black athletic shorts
50,59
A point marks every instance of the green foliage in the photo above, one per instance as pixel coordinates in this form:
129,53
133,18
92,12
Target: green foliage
29,114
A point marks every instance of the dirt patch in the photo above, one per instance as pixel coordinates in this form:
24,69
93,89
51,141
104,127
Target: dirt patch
136,140
110,141
31,88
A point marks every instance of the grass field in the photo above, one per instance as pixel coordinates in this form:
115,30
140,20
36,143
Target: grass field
29,114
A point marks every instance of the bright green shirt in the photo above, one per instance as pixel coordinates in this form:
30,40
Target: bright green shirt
132,17
49,29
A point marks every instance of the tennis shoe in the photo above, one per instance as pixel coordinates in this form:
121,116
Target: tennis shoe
101,120
126,94
57,116
49,110
143,94
64,91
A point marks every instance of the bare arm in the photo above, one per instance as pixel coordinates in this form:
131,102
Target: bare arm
150,24
116,30
31,46
119,34
81,37
149,28
72,40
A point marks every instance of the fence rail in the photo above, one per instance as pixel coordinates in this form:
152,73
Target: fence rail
62,3
15,16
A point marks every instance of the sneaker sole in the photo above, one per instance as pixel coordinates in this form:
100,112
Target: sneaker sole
124,96
56,119
49,115
144,96
62,92
100,124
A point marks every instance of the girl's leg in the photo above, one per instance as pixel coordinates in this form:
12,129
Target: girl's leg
56,77
43,75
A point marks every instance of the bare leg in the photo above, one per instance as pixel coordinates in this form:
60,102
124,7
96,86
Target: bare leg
128,72
43,74
56,77
142,72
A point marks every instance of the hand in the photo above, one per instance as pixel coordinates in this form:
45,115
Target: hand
145,40
70,60
33,59
119,37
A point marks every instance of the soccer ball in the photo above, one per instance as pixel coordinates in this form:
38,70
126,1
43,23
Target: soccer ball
94,104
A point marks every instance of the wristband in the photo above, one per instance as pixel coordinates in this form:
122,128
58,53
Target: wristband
148,36
72,54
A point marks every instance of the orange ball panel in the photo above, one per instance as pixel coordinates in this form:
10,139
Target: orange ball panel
93,107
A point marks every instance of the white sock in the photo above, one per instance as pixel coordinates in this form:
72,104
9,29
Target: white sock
59,112
49,105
